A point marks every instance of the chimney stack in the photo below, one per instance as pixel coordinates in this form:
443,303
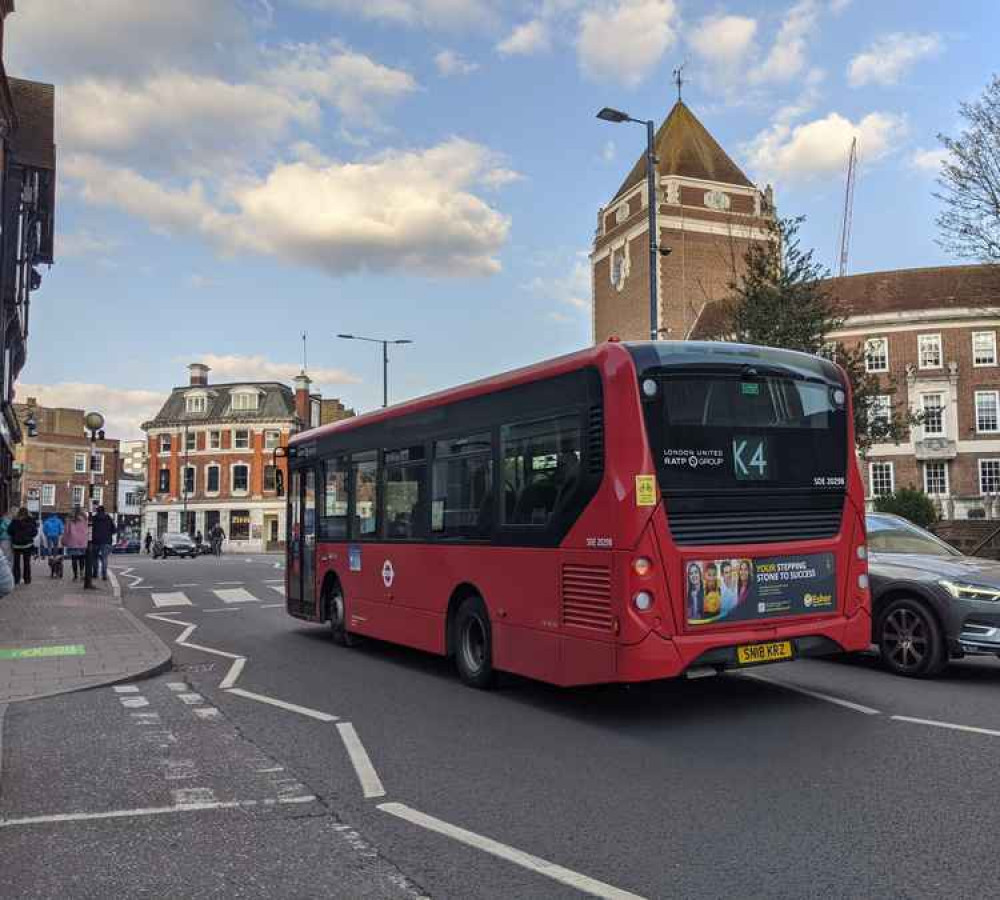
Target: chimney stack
302,385
199,374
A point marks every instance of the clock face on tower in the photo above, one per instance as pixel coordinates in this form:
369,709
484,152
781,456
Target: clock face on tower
717,200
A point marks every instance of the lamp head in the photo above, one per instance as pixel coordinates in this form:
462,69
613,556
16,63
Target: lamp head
94,421
612,115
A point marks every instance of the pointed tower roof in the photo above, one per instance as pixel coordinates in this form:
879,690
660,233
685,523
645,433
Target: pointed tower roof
684,147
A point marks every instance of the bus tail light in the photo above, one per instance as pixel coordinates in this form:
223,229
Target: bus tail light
858,587
643,601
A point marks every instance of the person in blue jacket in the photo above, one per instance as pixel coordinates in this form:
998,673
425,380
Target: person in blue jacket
52,532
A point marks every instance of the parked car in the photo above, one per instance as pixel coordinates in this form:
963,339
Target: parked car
930,603
174,544
126,545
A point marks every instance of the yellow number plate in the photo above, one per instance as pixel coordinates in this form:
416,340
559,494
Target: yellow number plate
749,654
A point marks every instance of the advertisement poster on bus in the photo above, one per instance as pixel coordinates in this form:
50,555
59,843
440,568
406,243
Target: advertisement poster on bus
739,589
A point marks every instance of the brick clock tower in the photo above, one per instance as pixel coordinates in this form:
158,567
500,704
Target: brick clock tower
708,213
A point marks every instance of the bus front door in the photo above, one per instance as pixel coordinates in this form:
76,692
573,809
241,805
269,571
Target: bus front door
301,581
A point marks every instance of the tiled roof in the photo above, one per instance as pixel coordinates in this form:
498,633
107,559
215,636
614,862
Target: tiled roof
684,147
276,404
895,291
33,141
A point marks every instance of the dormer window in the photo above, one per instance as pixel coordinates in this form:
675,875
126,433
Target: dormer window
244,401
196,403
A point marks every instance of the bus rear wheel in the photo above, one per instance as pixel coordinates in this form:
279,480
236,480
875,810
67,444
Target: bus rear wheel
474,644
337,612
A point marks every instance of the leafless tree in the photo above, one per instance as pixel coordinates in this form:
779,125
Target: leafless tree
970,181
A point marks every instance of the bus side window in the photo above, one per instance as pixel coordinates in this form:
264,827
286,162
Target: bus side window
541,468
405,488
364,467
462,487
333,521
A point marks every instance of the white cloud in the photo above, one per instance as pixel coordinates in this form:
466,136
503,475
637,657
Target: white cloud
177,119
929,160
609,152
787,56
625,40
84,243
888,58
450,63
52,38
447,14
198,281
411,211
838,6
820,147
236,367
723,41
571,291
526,39
124,410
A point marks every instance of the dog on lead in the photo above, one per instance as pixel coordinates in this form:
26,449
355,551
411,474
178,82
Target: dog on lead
56,565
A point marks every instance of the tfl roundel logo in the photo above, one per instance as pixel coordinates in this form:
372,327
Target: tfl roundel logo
388,573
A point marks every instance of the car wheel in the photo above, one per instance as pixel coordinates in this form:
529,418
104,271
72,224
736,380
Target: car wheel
910,640
474,644
337,611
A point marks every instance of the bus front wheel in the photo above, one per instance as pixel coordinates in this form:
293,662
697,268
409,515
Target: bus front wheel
474,644
337,612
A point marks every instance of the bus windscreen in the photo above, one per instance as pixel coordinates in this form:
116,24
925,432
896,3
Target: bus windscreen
729,432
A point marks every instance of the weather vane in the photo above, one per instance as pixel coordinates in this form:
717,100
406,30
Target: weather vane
679,79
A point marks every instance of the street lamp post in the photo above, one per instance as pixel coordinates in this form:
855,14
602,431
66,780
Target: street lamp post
385,358
613,115
94,422
184,489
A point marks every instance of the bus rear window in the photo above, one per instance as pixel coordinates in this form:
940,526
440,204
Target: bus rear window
721,431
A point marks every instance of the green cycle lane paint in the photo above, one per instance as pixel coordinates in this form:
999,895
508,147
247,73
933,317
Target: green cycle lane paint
42,652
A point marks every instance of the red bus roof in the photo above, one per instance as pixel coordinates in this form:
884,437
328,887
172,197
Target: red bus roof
556,366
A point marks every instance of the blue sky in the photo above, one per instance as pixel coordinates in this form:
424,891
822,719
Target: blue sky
235,172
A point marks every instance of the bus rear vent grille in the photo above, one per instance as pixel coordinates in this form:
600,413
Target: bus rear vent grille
757,527
595,440
586,597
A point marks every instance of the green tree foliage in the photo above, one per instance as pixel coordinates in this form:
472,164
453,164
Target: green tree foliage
911,504
781,299
970,181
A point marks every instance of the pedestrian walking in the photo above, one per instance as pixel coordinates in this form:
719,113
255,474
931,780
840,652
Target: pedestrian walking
75,541
23,531
52,532
5,519
103,534
149,542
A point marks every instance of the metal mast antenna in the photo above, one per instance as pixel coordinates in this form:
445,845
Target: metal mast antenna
679,79
845,225
305,359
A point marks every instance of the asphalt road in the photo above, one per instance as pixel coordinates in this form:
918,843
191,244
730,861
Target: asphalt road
808,778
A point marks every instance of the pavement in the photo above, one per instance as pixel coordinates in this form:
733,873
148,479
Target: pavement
55,637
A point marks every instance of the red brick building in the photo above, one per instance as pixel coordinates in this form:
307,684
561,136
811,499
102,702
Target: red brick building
932,333
708,213
55,462
211,456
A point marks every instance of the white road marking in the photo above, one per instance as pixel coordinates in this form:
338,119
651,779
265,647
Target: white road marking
272,605
126,689
230,582
371,784
133,702
972,729
273,769
291,707
234,672
185,796
146,718
826,698
206,712
274,581
518,857
235,595
307,798
224,609
171,598
277,565
123,813
280,588
210,650
177,686
191,699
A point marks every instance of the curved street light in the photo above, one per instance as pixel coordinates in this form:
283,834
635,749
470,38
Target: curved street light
385,357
